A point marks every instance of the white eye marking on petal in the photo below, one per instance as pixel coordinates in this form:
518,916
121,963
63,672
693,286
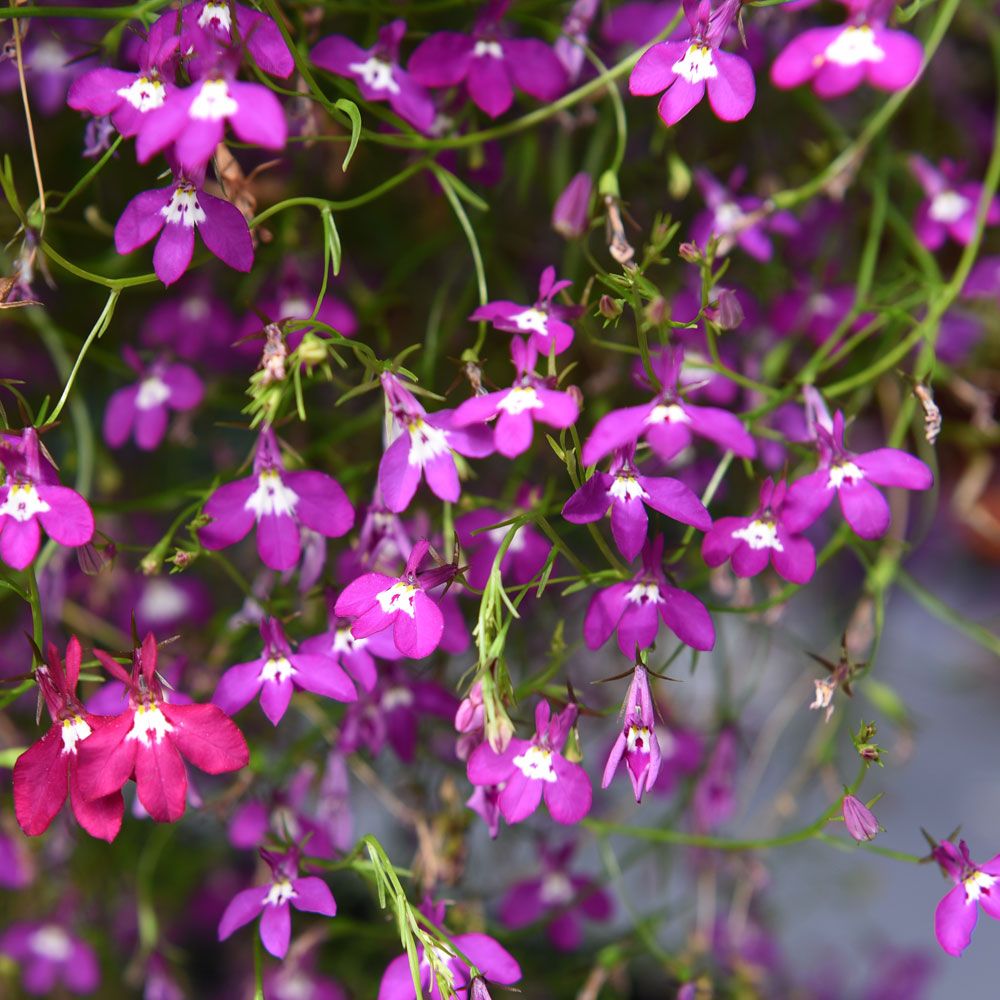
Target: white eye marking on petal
532,319
217,12
948,206
844,471
642,592
277,670
74,730
485,48
376,74
23,503
667,414
144,94
536,763
280,893
696,64
855,44
760,535
399,597
184,208
213,102
272,496
627,488
556,889
152,392
520,399
426,443
149,719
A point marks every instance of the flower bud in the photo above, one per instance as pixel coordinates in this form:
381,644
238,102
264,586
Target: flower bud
690,252
610,308
571,213
859,819
727,313
312,350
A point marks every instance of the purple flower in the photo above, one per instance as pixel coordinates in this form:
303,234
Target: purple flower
570,46
566,896
529,769
276,673
273,902
142,408
949,208
859,819
667,422
956,914
490,64
683,70
627,493
714,799
530,398
257,32
50,957
571,212
634,606
173,213
278,503
839,59
378,74
637,741
32,496
378,602
423,447
544,321
850,477
752,542
816,312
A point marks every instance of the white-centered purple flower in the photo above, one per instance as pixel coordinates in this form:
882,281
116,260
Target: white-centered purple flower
975,885
51,958
489,63
530,398
949,206
544,321
256,31
627,493
278,503
763,537
634,607
683,70
637,742
852,478
378,74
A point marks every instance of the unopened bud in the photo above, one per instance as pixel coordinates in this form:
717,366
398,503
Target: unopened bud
859,819
571,214
658,311
610,308
312,350
690,252
727,313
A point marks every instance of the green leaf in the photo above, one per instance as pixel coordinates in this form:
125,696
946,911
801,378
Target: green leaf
351,110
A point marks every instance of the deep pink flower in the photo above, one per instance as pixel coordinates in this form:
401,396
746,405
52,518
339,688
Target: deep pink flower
529,769
950,206
637,741
634,608
859,819
273,902
48,769
256,31
278,503
151,738
956,914
32,496
683,70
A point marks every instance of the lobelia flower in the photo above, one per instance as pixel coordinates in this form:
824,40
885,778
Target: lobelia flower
276,673
950,206
49,768
571,212
51,958
530,398
859,819
714,799
378,74
490,64
841,58
544,322
626,492
956,914
570,46
32,496
17,869
273,902
568,897
816,312
850,477
142,408
485,802
422,447
491,960
151,738
634,606
637,741
378,602
683,70
172,214
278,503
298,980
667,422
752,542
257,32
680,755
530,769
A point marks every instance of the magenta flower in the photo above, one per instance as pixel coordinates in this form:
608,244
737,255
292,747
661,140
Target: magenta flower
752,542
530,398
667,422
859,819
634,606
151,738
544,321
490,64
839,59
273,902
423,446
627,493
32,496
173,213
949,208
378,74
571,212
276,673
142,408
529,769
525,556
567,897
637,741
49,768
714,800
51,959
956,914
682,71
279,503
256,31
850,477
378,602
